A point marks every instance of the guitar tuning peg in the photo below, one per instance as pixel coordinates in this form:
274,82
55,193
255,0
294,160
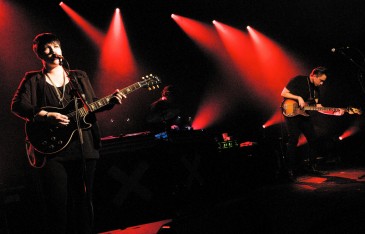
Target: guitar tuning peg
143,78
158,86
149,88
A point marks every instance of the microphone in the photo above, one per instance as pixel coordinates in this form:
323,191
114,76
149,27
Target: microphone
58,56
334,50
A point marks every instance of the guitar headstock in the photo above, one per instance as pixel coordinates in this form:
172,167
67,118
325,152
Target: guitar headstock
353,110
150,81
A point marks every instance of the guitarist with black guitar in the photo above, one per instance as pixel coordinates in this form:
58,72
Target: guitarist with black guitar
44,99
302,92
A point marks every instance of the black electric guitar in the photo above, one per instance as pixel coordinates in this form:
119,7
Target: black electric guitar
291,108
49,139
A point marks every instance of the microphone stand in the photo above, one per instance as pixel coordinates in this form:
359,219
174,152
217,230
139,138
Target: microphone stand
361,69
360,79
78,94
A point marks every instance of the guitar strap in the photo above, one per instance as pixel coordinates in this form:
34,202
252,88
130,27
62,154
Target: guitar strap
41,97
34,159
312,92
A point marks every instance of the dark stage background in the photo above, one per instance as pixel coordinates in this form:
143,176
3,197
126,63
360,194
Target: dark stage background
308,28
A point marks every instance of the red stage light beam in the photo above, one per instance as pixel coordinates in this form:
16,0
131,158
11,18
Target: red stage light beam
239,48
349,132
93,33
275,119
202,34
117,59
205,36
276,65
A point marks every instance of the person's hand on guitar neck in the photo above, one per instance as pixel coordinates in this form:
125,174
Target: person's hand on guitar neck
53,117
117,97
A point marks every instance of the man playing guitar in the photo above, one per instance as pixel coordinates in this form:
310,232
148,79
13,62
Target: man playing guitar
304,91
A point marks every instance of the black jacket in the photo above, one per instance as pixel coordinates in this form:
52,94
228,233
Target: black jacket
29,98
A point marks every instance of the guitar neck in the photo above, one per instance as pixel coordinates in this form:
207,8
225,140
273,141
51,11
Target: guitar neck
105,100
314,108
83,111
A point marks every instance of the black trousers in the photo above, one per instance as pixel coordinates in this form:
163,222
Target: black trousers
295,126
67,190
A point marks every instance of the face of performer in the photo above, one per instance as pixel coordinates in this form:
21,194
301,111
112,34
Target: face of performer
318,80
48,52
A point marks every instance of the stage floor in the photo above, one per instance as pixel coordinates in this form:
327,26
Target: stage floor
334,203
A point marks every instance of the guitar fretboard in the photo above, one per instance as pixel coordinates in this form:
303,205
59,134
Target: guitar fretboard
105,100
83,111
321,108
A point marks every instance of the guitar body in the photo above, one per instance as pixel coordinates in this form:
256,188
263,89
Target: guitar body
51,139
291,108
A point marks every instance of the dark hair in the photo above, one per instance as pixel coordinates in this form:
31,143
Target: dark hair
318,71
42,39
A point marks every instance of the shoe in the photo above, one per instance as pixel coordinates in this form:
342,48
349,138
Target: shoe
286,176
314,172
292,177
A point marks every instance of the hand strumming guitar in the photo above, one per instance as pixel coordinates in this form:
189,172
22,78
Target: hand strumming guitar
52,118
